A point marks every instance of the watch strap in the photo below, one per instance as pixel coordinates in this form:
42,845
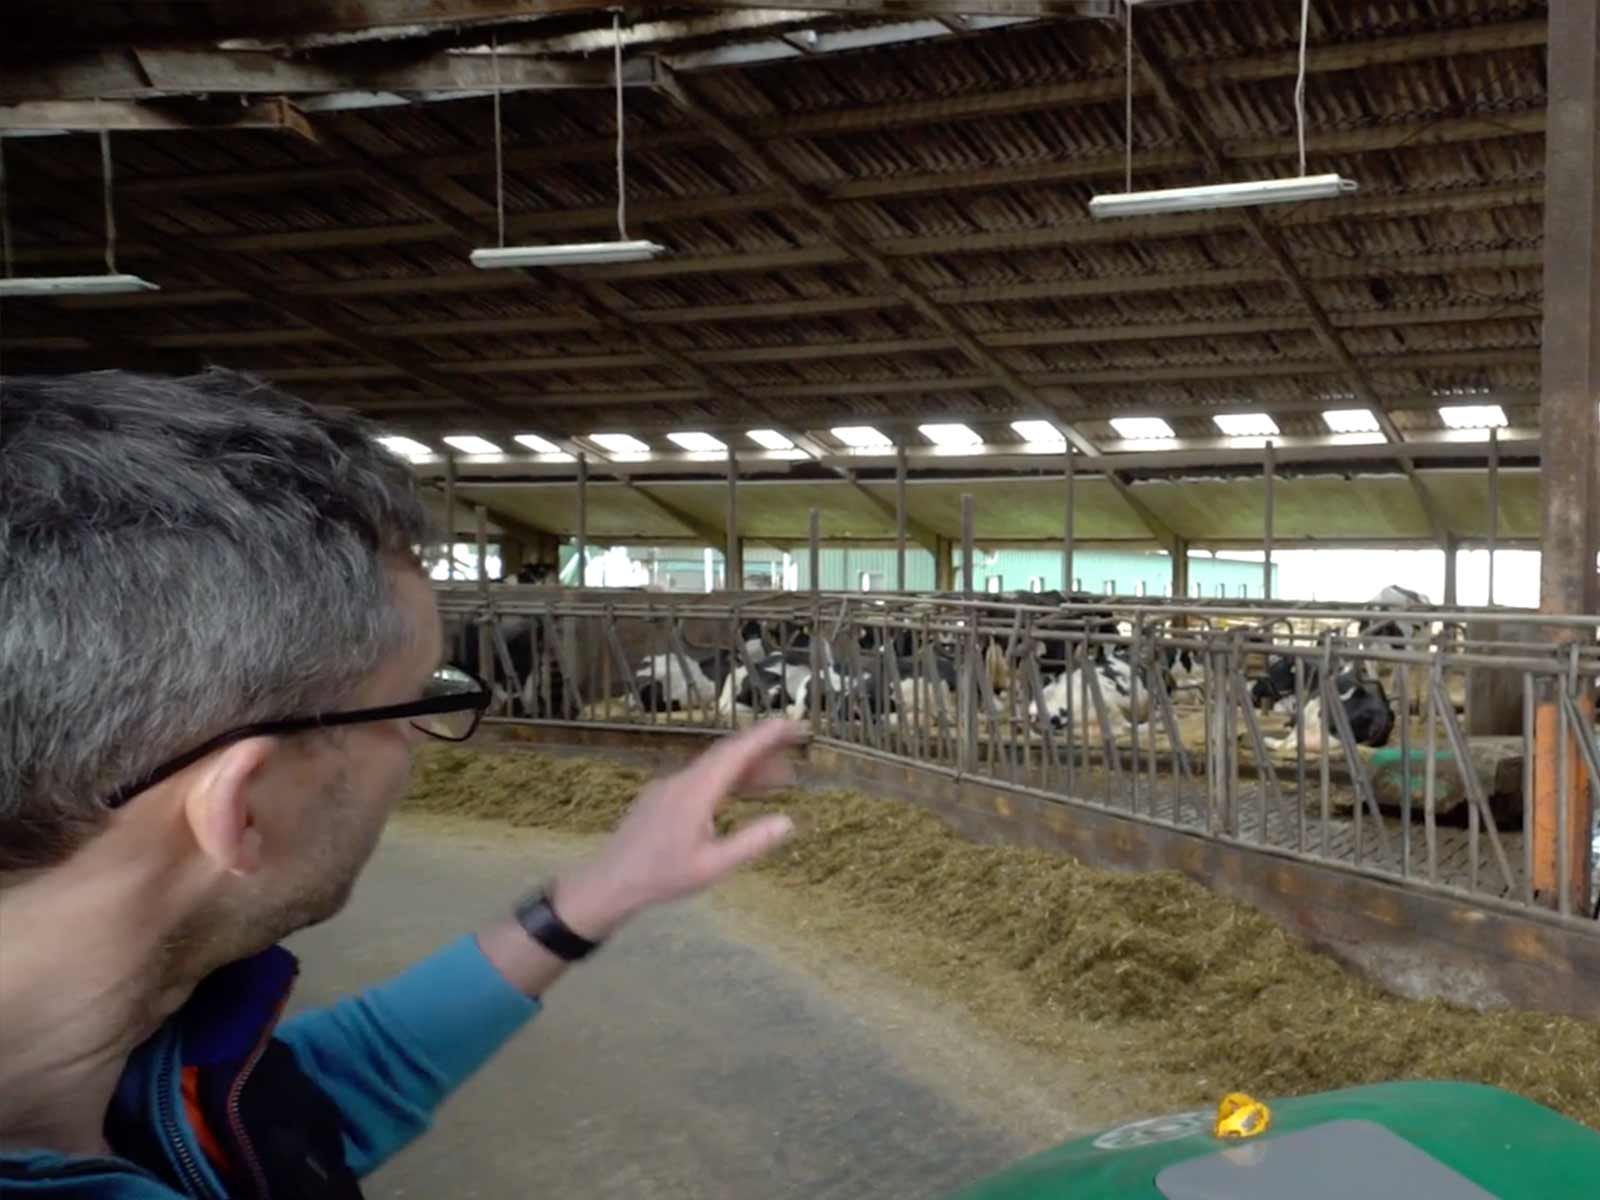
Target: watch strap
539,921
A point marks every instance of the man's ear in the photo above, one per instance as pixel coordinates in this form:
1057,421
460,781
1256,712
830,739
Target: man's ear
218,806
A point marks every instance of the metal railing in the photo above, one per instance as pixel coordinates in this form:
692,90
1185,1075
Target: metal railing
1147,708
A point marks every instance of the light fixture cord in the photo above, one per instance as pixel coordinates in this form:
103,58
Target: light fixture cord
1300,84
5,213
1127,128
622,179
499,155
111,215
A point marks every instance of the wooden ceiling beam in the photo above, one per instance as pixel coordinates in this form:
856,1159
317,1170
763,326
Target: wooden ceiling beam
1177,100
1255,68
1258,67
1380,139
1518,357
87,116
35,338
847,239
137,73
903,292
1075,233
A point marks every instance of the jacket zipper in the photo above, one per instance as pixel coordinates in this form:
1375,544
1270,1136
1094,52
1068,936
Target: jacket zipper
235,1121
187,1167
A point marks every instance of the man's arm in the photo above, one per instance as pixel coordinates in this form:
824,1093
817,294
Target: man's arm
390,1055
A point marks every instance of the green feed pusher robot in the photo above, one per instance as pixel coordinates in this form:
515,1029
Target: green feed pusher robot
1392,1141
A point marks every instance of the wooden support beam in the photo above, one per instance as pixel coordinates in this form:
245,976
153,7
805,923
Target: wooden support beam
711,536
139,73
81,116
799,195
600,221
922,534
1379,139
1160,531
619,309
35,335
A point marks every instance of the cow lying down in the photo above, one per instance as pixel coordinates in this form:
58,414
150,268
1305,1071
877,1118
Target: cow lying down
1070,694
1366,706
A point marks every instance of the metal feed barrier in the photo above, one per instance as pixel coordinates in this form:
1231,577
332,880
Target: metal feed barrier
1143,708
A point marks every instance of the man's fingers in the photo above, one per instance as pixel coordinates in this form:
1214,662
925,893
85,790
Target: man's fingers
749,756
745,845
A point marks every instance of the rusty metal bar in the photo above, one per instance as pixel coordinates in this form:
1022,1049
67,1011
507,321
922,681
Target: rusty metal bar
1470,780
1569,433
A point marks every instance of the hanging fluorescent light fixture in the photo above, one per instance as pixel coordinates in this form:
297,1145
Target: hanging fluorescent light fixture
75,285
564,254
567,254
1221,195
109,284
1130,203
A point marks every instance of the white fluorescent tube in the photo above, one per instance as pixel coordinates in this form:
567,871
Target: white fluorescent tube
75,285
566,254
1221,195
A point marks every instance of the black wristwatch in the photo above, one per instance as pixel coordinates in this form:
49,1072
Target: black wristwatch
539,920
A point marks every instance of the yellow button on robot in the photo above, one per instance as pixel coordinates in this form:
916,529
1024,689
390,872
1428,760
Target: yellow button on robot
1239,1116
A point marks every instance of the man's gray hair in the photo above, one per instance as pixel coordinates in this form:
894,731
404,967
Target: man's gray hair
177,557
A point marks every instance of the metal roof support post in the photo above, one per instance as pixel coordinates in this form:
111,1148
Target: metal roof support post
1268,478
733,558
1569,481
1068,519
814,553
583,519
1452,555
1494,504
450,515
967,535
482,516
900,519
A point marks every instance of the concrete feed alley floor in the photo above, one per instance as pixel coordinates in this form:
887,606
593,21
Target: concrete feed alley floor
707,1053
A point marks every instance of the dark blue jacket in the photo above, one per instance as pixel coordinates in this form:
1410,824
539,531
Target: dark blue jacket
301,1108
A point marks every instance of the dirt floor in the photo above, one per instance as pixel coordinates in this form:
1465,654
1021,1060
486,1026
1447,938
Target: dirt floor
720,1048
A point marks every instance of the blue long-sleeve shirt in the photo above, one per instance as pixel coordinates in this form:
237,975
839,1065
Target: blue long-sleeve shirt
386,1057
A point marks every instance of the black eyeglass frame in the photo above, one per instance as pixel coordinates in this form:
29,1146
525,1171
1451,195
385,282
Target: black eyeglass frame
474,701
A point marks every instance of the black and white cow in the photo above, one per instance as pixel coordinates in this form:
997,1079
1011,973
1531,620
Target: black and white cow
872,695
1274,691
1070,694
668,683
768,685
1389,630
1186,669
1366,706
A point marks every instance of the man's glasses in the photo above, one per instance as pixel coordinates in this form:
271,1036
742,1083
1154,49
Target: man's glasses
450,709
